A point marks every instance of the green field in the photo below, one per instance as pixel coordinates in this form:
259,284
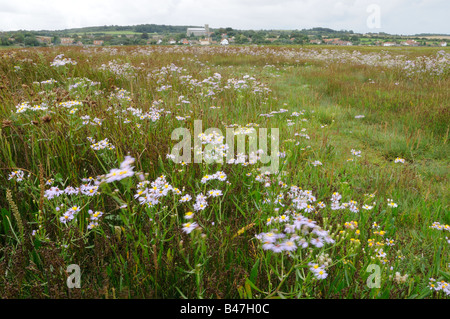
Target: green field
356,204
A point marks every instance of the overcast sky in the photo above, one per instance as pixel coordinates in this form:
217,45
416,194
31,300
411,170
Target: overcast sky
395,16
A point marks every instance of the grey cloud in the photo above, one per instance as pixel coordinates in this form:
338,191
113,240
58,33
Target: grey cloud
397,16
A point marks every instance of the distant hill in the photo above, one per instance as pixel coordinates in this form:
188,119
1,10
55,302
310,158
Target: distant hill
432,35
141,28
165,29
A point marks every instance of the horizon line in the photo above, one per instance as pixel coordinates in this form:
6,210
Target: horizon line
260,29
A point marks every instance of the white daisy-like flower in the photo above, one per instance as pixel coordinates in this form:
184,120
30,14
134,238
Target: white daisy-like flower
317,163
125,170
320,274
185,198
215,193
17,175
289,245
189,227
392,204
67,217
189,215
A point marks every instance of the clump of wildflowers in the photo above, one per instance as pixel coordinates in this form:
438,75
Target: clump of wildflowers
17,175
440,286
69,214
125,170
94,218
59,60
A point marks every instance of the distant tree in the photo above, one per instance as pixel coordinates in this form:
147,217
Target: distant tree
5,41
249,33
282,41
138,41
120,41
19,37
31,41
216,37
241,39
178,36
258,38
230,32
144,35
296,34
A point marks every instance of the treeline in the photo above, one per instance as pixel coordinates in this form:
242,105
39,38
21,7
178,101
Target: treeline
153,34
155,28
141,28
25,38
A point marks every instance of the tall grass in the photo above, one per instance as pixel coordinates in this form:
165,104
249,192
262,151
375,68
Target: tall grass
144,251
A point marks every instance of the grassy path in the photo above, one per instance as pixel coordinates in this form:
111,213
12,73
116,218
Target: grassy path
420,185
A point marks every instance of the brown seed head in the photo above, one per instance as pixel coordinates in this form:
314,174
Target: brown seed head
6,123
46,119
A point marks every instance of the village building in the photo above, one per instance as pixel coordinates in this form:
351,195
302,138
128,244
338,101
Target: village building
330,41
67,41
98,42
412,43
198,32
337,41
42,39
204,42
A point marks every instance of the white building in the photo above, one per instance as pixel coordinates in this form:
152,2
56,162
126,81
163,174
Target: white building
224,42
198,32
